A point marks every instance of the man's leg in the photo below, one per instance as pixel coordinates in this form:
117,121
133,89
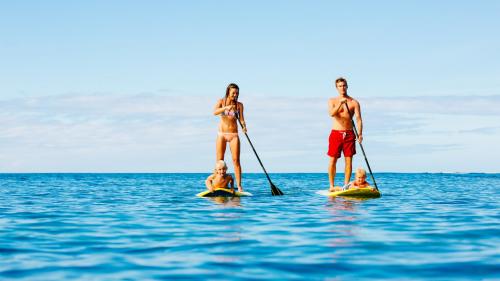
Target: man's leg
348,170
332,170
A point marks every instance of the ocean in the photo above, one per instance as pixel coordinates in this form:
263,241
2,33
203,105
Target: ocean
153,227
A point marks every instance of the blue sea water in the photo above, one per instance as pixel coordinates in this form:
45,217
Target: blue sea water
152,227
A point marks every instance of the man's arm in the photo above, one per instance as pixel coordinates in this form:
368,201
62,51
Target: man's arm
334,107
359,121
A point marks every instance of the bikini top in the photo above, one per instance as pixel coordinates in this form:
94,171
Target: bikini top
230,113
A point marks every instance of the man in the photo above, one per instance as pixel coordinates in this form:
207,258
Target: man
342,137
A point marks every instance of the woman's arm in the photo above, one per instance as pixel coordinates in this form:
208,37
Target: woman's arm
218,109
242,117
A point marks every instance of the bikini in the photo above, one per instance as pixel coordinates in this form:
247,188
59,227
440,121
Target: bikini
228,137
231,113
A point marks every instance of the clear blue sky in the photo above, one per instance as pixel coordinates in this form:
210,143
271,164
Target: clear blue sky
68,66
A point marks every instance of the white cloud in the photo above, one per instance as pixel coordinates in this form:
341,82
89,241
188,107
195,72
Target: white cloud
171,133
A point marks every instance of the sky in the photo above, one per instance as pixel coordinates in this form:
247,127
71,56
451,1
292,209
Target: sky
130,86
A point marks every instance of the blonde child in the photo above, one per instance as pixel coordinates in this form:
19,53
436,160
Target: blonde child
219,179
358,182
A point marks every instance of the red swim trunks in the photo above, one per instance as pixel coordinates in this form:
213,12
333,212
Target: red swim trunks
342,140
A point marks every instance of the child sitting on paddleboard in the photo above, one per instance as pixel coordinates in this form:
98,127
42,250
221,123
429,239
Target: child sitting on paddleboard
219,179
358,182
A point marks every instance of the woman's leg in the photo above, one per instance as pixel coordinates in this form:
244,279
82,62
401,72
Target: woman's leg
220,148
235,151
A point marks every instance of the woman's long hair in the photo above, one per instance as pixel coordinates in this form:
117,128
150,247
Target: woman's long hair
229,87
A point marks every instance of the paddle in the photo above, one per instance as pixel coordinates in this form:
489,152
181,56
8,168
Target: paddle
360,145
274,190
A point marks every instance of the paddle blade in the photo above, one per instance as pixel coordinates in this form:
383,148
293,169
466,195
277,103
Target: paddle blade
276,191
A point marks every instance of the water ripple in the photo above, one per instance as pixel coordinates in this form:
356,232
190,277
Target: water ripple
151,226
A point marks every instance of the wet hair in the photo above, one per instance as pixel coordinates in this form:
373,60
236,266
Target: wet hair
229,87
340,79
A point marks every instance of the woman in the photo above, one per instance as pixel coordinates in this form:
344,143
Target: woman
230,109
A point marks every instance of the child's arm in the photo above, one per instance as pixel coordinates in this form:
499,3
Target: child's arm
208,183
231,182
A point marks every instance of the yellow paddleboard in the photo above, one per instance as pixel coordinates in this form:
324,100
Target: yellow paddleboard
223,192
365,192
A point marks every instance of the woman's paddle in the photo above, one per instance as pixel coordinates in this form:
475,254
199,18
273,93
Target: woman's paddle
274,190
360,145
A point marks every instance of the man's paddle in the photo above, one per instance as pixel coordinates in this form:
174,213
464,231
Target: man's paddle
360,145
274,190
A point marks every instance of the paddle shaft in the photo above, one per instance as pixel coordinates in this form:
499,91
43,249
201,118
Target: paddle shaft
254,151
274,190
360,145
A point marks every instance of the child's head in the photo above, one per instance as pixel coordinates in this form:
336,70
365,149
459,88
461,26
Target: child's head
220,167
360,176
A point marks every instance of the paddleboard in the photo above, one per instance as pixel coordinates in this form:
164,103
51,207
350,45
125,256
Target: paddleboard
365,192
223,192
